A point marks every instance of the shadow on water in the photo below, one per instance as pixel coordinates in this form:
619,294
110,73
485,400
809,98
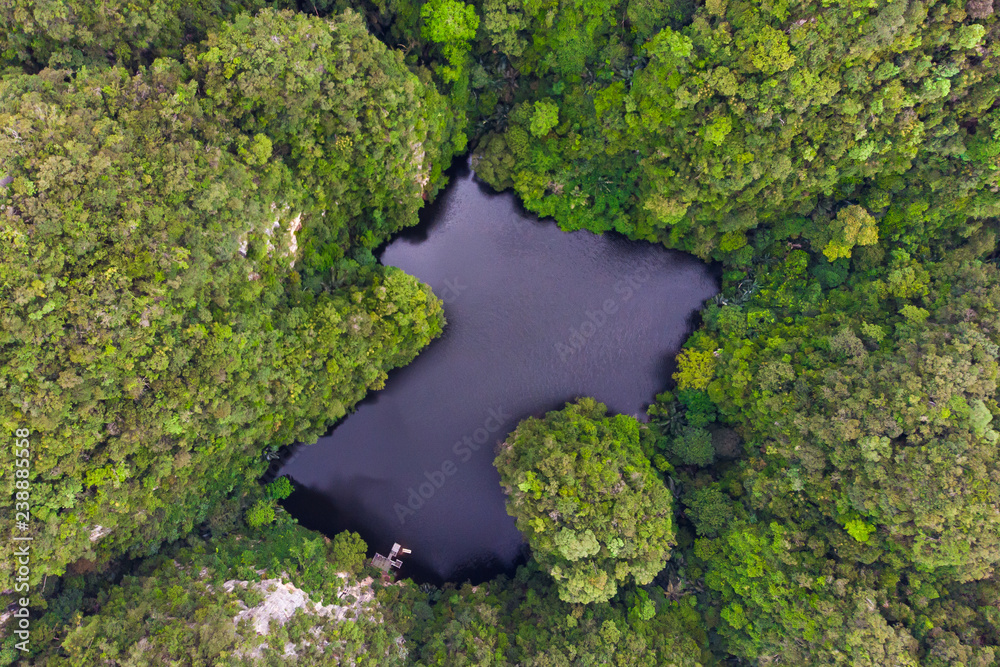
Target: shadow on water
431,213
536,317
316,512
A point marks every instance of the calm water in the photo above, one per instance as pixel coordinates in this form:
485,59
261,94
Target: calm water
536,317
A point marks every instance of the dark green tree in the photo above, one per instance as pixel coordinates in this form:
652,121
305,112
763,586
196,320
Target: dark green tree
73,33
156,336
587,499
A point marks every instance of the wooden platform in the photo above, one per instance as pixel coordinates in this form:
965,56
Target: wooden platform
385,562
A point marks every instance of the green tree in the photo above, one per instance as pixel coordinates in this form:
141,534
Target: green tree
73,33
544,117
452,24
364,139
695,368
349,551
178,607
693,447
587,499
736,116
889,435
855,227
261,514
712,511
779,599
524,621
159,333
279,489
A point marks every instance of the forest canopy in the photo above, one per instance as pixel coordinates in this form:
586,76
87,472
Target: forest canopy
157,332
587,500
191,195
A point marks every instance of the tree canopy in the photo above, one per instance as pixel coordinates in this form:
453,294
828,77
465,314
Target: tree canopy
734,115
156,335
588,501
191,195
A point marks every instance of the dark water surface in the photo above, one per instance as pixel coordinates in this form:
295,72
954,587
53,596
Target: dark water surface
536,317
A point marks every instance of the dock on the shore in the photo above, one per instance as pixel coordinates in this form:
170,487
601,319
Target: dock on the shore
385,562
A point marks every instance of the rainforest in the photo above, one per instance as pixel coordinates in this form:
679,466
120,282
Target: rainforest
200,203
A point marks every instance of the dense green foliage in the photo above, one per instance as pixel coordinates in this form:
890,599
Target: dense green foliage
787,594
875,406
524,622
694,132
155,337
144,619
587,500
147,618
190,193
364,139
71,33
862,528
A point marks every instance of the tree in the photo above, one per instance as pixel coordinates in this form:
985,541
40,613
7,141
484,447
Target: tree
780,597
261,514
693,447
544,117
891,436
452,24
587,499
690,125
364,139
349,551
158,335
695,368
178,607
279,489
856,227
523,621
72,33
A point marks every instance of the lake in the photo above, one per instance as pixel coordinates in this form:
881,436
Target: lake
536,317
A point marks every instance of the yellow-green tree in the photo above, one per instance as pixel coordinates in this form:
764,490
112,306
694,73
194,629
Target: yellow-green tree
587,499
855,226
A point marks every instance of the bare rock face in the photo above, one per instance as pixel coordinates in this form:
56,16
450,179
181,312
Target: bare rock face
97,532
282,599
979,9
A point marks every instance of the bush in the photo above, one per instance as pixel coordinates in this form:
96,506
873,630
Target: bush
349,551
261,514
694,447
279,489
